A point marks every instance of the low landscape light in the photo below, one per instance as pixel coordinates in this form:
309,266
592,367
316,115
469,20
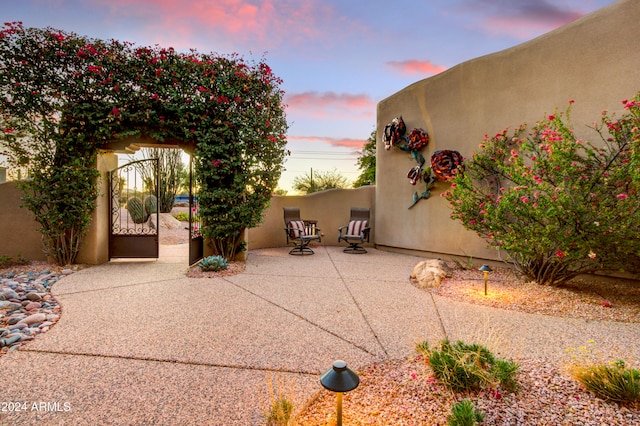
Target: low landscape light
339,379
485,270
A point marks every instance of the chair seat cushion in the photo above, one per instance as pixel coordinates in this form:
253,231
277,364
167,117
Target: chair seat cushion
356,227
297,228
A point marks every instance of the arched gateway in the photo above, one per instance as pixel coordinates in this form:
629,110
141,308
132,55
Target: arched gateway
127,235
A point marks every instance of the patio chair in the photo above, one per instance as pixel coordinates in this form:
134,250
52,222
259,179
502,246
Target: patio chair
356,232
300,232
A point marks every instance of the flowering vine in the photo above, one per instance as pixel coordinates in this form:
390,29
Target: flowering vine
63,96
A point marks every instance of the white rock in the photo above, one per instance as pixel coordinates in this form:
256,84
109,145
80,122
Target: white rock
428,273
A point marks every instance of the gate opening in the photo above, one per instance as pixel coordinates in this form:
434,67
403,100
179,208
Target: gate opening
137,227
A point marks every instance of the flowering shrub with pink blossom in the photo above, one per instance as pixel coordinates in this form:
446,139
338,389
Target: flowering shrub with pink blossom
63,96
557,205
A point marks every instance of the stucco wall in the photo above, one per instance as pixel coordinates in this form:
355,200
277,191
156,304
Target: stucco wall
593,61
18,230
330,208
95,246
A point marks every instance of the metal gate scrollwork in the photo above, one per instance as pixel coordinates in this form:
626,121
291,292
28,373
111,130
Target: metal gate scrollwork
196,242
133,202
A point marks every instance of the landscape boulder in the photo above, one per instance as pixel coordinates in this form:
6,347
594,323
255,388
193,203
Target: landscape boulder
429,272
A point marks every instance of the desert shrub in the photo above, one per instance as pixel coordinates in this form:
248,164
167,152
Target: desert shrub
280,412
463,367
182,216
463,413
8,261
213,263
612,381
557,205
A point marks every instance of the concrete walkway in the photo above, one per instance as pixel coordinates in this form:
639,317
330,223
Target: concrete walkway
139,343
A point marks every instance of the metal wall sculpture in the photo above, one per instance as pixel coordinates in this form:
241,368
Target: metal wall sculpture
443,164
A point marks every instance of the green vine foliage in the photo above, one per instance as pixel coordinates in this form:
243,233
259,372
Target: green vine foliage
557,205
63,96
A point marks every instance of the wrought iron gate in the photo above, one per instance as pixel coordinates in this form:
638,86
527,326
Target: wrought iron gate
196,244
133,202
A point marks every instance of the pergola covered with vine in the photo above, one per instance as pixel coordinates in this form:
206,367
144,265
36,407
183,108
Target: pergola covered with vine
63,97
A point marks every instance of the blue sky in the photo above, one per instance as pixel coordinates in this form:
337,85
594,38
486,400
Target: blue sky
338,58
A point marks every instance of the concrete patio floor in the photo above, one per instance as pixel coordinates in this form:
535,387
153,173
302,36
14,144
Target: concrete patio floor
140,343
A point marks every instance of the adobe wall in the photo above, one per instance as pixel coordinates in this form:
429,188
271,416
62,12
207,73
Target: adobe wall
593,61
18,230
95,246
330,208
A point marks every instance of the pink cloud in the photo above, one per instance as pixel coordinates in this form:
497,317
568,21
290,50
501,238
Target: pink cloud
415,66
268,22
522,19
328,104
356,144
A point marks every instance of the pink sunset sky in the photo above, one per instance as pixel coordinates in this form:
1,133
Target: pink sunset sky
338,58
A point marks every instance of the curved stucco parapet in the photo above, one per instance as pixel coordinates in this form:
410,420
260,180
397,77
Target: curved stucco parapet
592,61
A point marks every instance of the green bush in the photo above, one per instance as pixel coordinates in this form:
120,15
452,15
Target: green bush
464,367
613,382
7,261
184,217
463,413
556,204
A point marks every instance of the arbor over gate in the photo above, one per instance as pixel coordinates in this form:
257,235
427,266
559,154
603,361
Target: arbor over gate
63,97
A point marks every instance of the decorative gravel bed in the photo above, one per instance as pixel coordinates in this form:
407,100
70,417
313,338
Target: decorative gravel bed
404,392
592,299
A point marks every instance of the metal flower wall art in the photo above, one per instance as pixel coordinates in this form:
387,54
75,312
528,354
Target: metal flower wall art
443,165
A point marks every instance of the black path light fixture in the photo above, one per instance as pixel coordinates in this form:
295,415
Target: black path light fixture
485,270
339,379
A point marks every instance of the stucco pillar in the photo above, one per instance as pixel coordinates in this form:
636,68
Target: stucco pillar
95,247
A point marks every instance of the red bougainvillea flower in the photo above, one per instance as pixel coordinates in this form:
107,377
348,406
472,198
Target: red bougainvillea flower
216,163
115,111
445,163
560,254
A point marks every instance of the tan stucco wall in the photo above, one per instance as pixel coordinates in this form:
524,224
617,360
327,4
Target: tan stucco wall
330,208
593,61
95,247
18,230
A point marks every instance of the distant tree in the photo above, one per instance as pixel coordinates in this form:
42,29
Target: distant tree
319,181
279,191
171,172
367,163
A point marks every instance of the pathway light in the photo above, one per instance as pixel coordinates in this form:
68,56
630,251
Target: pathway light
339,379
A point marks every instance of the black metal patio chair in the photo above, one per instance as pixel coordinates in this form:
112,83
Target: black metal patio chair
356,232
300,232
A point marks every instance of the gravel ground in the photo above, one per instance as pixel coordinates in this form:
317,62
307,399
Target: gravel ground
592,299
404,392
